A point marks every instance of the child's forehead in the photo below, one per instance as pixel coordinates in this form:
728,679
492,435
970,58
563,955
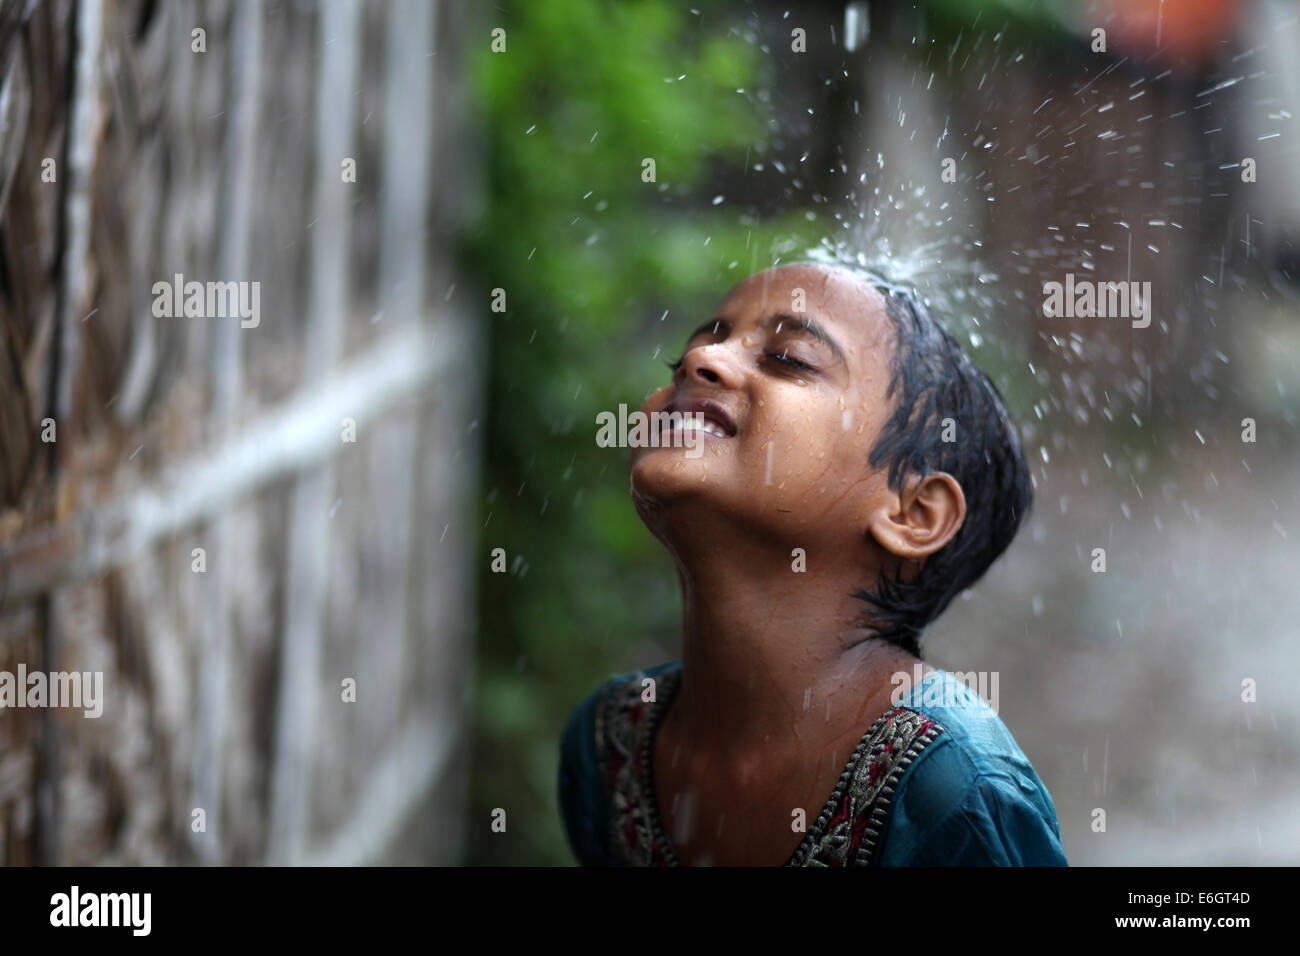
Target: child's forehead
830,293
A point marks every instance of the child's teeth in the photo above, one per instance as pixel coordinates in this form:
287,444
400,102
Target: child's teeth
708,427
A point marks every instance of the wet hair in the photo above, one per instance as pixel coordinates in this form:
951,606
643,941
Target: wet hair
934,379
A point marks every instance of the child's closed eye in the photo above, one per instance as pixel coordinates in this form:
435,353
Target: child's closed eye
785,359
781,357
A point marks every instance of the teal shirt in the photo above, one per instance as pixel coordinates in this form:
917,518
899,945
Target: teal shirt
973,798
970,799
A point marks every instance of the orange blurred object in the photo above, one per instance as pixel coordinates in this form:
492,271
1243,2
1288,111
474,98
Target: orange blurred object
1182,34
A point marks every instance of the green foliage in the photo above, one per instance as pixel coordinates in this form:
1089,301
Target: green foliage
1019,22
590,258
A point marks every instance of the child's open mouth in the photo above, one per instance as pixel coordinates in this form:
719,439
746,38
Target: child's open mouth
702,415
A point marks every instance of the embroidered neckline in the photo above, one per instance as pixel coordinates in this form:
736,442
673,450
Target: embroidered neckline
845,832
648,791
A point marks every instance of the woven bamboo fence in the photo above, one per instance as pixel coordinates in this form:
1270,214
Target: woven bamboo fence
257,531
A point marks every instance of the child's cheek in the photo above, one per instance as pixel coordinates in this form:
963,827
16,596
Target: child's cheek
657,400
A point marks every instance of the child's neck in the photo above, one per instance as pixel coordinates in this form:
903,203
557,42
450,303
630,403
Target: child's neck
771,655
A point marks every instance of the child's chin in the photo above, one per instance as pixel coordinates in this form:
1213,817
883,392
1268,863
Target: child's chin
659,487
656,472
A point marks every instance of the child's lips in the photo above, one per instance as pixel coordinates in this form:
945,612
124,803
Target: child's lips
704,415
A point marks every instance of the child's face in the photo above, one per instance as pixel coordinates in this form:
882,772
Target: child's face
793,453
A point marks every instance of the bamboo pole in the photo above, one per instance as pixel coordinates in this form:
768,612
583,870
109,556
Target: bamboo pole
244,84
450,452
408,122
82,140
309,538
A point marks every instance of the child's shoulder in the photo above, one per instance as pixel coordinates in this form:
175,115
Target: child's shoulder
622,683
960,703
631,683
582,786
974,796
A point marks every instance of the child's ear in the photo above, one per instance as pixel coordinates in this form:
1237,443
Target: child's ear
921,520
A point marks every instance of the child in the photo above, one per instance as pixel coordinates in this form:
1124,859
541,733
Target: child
848,441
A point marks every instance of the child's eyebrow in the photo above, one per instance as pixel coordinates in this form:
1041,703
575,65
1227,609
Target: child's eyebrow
800,324
713,327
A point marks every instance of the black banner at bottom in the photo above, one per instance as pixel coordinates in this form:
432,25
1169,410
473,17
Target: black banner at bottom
333,907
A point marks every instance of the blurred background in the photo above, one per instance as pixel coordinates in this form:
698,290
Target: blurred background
347,572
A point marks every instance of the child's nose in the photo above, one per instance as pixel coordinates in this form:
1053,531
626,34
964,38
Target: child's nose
711,364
